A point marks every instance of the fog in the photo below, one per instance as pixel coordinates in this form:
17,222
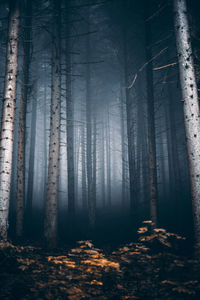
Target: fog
108,50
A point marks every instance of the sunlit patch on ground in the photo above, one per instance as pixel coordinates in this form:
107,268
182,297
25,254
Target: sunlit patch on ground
152,268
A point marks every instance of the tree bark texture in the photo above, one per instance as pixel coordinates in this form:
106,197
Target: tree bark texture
51,205
20,202
190,105
7,128
153,194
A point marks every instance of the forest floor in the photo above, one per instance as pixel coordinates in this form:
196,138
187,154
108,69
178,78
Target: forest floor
154,267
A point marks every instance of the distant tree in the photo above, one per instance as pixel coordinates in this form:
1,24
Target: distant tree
130,127
7,129
83,159
31,162
51,204
103,191
123,148
91,204
94,163
45,134
70,123
108,159
190,105
20,201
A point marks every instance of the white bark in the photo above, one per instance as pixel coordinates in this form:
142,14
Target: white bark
190,104
6,139
51,212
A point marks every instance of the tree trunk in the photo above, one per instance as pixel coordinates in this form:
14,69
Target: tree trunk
77,134
94,157
28,211
130,132
83,158
51,205
45,137
20,201
151,130
173,160
190,106
123,147
91,206
103,166
70,133
108,160
7,129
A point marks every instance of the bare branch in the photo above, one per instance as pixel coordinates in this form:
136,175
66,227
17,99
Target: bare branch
166,66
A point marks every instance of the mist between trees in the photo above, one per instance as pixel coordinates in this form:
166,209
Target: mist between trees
100,125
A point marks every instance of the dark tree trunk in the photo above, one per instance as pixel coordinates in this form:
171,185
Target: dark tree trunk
103,191
108,159
123,148
70,127
151,127
83,157
130,131
51,204
20,201
29,198
94,157
91,206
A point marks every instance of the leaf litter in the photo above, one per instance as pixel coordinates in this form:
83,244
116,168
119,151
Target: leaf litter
151,268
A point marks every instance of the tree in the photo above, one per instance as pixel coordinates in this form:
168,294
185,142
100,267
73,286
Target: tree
20,202
91,204
151,128
51,205
190,105
70,127
108,159
7,129
103,191
83,158
123,148
94,163
130,130
31,163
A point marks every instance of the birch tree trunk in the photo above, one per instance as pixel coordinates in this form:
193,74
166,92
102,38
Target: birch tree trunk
51,205
7,129
20,202
190,105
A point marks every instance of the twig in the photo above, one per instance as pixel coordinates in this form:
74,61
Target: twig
166,66
144,65
157,12
132,83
